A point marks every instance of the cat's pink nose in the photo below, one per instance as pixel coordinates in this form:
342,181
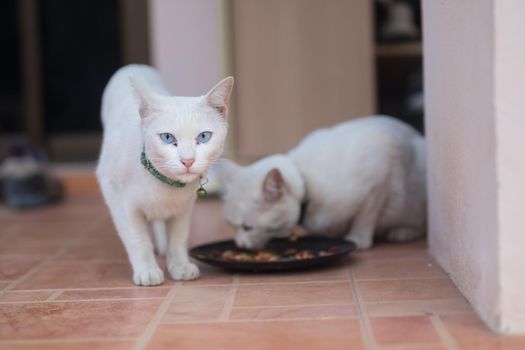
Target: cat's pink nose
187,162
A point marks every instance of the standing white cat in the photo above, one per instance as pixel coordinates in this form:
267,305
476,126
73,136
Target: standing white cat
155,149
357,178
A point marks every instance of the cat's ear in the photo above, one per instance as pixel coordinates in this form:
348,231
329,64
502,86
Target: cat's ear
145,99
273,186
219,96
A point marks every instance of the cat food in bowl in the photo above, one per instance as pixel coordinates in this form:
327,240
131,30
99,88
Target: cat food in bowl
278,255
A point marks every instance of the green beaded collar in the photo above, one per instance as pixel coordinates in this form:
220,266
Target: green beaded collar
153,171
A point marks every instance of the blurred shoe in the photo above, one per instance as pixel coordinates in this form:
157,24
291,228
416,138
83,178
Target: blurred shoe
26,183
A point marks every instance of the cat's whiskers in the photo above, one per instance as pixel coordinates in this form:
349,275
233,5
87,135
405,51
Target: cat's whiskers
167,166
163,167
211,161
162,163
157,159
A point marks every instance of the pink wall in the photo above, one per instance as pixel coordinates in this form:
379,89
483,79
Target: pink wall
187,44
474,168
510,133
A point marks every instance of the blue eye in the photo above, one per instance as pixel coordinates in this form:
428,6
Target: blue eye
168,138
204,137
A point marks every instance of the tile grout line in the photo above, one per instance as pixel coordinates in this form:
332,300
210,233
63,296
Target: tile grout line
338,280
183,285
443,332
401,279
262,283
391,301
88,289
418,313
293,305
65,340
78,300
265,283
60,251
410,301
152,326
54,295
262,320
366,330
228,305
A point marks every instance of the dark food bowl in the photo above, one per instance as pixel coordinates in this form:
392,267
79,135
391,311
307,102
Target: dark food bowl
323,250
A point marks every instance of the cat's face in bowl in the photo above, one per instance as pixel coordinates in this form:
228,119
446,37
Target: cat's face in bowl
184,135
259,205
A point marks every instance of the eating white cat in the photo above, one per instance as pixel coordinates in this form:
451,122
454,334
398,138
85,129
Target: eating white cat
156,148
356,179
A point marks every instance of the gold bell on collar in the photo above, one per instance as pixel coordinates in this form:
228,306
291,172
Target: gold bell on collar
201,191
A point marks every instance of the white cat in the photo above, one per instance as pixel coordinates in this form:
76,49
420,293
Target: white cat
155,149
357,178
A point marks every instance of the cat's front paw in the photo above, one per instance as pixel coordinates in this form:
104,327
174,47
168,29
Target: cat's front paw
151,276
184,272
362,242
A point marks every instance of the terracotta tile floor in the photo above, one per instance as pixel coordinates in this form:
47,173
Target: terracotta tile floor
65,283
